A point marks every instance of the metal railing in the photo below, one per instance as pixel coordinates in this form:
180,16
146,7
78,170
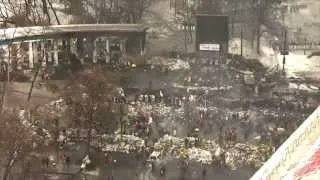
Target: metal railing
308,128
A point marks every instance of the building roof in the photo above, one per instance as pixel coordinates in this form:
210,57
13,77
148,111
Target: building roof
34,31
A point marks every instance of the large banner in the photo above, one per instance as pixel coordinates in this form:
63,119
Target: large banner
212,33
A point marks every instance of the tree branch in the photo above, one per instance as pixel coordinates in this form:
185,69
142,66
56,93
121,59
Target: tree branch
54,12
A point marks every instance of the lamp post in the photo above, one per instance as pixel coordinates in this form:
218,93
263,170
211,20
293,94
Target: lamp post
284,50
305,46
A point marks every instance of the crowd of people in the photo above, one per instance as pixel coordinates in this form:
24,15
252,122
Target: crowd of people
204,113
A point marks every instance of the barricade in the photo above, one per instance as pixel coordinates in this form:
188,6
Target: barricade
309,128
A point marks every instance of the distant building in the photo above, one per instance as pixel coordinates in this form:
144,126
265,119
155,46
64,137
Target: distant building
55,44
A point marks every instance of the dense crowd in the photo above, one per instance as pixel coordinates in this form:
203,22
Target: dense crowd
192,121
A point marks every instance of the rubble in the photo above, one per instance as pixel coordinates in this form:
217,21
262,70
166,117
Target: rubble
241,155
172,64
120,143
168,147
56,108
203,88
175,147
236,156
160,110
200,155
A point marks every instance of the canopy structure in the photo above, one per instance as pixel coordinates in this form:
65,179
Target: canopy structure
10,35
56,43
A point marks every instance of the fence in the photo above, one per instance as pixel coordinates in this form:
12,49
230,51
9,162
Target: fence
304,47
309,128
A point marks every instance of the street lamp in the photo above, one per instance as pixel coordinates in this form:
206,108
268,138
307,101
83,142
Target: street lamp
285,50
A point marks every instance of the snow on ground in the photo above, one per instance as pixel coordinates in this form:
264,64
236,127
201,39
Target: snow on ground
296,65
304,87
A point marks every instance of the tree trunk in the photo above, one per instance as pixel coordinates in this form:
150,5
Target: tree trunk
258,39
89,139
6,83
56,138
45,10
5,89
89,133
32,84
121,127
8,167
38,68
54,12
6,173
253,38
190,31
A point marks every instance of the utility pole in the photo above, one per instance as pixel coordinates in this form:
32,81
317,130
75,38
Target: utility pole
185,27
284,51
175,8
185,38
241,40
234,14
305,46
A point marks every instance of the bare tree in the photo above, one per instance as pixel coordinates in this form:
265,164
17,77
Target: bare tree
27,12
24,13
262,14
108,11
134,10
87,95
17,141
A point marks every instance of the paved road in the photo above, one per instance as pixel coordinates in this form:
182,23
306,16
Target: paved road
194,172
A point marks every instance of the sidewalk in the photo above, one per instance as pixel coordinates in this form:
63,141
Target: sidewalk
61,168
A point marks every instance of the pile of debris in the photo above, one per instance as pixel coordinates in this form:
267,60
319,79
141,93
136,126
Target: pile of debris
172,64
236,156
243,155
34,127
54,108
209,144
169,146
144,108
120,143
160,110
200,155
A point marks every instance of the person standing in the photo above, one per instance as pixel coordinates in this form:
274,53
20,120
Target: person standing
162,170
45,74
204,173
67,160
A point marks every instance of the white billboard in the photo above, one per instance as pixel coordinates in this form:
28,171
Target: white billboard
209,47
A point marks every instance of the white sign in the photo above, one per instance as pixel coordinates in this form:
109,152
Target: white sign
209,47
